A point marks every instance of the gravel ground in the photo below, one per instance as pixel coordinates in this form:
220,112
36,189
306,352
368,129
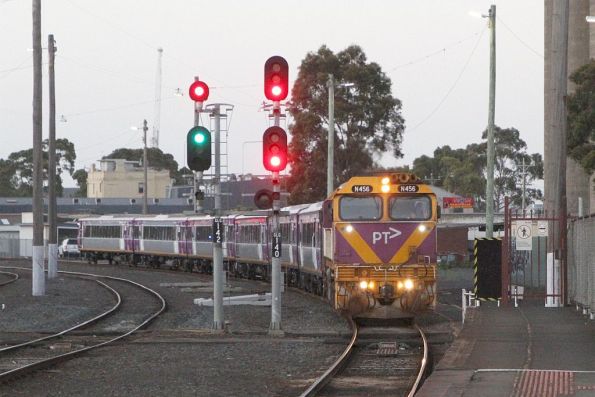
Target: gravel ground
67,302
187,360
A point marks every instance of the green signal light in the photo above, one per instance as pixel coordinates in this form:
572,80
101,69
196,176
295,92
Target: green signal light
200,138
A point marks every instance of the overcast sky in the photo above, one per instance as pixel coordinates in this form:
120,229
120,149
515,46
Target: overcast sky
436,54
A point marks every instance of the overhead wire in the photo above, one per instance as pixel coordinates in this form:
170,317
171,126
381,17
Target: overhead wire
116,107
450,90
519,39
434,53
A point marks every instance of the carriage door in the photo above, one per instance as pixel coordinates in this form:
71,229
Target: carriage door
184,238
262,247
315,244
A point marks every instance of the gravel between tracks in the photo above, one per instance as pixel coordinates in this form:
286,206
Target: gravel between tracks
187,360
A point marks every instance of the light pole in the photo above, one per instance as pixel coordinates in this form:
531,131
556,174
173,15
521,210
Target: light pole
145,128
330,161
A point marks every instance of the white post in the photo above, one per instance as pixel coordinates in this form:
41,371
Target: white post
463,305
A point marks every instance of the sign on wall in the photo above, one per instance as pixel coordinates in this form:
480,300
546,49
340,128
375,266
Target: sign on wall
457,202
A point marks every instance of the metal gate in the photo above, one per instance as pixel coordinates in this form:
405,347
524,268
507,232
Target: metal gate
526,273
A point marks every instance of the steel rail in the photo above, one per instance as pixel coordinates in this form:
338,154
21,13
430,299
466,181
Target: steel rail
77,326
15,278
423,366
325,378
17,372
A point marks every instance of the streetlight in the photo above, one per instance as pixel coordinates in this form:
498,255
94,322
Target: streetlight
330,161
145,200
590,18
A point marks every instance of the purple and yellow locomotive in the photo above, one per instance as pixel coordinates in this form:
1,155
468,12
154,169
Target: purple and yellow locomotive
379,243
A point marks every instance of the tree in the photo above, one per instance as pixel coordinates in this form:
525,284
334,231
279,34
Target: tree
80,176
463,171
368,120
22,166
7,178
581,117
155,158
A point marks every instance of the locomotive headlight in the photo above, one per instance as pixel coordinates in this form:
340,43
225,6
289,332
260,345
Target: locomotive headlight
348,228
422,228
400,285
385,180
385,189
363,284
408,284
371,285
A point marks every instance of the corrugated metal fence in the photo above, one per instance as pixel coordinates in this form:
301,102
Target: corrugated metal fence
581,263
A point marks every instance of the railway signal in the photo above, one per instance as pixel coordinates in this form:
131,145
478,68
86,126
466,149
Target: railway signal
198,91
274,149
276,78
198,149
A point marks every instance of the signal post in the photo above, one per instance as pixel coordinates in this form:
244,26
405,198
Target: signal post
274,140
198,146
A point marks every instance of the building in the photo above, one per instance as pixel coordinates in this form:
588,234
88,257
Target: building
122,178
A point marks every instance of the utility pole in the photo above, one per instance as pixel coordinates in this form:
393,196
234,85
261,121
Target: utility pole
330,161
556,155
491,116
157,109
38,275
524,185
53,238
145,186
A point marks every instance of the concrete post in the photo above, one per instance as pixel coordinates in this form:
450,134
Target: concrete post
490,137
218,321
330,160
38,274
52,238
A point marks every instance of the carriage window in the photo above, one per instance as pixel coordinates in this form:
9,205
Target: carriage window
285,232
249,234
229,237
203,233
359,208
96,231
405,208
135,232
307,233
159,233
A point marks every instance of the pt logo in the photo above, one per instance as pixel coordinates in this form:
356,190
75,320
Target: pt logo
379,236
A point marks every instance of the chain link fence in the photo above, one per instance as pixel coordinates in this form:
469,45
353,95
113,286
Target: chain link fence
581,264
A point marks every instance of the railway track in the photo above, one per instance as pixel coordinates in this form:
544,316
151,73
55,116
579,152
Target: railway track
377,361
118,322
12,278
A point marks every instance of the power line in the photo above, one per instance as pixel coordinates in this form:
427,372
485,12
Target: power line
434,53
115,107
519,39
452,87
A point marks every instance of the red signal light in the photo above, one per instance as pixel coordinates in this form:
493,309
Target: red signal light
276,78
199,91
274,149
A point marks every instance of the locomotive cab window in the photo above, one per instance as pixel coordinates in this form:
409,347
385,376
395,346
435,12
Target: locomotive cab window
410,208
360,208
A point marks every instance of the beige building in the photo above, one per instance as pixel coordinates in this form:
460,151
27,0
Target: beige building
123,178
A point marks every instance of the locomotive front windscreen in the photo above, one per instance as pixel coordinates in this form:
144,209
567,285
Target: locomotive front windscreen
360,208
410,208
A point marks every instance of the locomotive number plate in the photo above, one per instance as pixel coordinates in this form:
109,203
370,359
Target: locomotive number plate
361,189
408,188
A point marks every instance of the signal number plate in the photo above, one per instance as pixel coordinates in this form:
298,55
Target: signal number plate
408,188
361,189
